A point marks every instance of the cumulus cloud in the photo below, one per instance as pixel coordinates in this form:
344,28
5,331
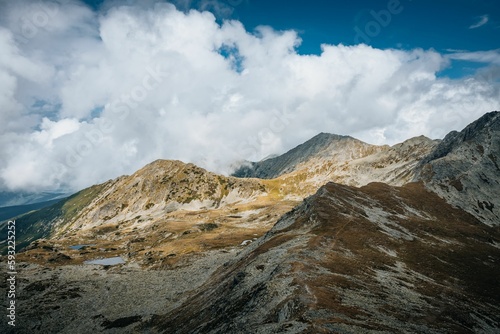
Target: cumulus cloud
90,96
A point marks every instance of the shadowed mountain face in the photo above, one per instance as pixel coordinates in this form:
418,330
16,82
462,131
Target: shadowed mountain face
8,212
10,198
373,259
42,223
465,169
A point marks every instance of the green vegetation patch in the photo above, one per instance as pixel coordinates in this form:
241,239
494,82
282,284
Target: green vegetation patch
40,224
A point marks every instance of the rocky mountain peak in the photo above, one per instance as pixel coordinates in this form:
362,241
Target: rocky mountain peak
164,186
418,141
323,138
322,146
489,120
474,131
465,168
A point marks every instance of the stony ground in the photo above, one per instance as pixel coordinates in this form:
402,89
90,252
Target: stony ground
112,299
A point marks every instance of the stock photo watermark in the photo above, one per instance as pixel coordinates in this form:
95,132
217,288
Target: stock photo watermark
235,3
11,273
37,19
378,20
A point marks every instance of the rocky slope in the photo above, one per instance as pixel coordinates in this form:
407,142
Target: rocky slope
155,217
162,187
376,259
465,169
342,159
323,146
103,299
394,165
158,189
171,223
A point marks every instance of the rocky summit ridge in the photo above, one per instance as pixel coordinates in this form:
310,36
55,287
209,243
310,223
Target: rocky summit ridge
334,236
342,159
465,168
330,146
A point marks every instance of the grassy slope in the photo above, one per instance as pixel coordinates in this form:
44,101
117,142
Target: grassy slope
39,224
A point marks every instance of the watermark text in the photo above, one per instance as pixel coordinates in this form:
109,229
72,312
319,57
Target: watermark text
11,273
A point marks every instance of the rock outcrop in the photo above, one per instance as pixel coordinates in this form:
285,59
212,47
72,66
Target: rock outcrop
464,169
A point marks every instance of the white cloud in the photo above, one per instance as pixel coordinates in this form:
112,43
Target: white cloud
488,57
166,91
52,130
482,21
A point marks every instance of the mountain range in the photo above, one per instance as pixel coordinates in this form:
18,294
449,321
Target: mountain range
12,198
333,236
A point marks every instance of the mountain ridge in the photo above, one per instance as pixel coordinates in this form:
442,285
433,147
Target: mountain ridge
464,168
320,145
468,133
350,238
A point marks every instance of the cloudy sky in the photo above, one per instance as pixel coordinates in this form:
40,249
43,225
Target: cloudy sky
93,90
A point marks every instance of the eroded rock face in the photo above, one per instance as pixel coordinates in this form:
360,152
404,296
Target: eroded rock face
464,169
374,259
